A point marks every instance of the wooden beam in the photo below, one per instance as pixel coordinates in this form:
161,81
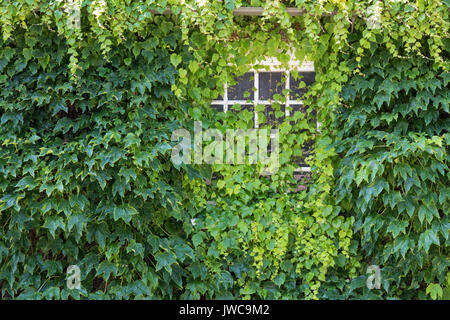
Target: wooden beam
258,11
249,11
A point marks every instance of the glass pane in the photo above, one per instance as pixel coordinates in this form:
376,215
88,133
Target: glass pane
307,150
274,114
307,77
219,97
217,107
243,90
301,108
271,83
245,112
236,108
307,147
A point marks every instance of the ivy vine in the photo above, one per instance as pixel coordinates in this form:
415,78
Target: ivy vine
86,119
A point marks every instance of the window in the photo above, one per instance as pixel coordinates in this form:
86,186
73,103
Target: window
261,87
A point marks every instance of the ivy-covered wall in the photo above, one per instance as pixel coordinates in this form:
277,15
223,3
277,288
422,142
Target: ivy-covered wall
86,178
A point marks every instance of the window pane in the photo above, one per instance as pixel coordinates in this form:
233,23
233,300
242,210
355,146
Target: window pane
271,83
218,107
307,150
307,77
236,108
274,114
219,97
243,112
245,83
307,147
301,108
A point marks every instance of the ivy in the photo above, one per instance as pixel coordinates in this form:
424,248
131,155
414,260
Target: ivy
85,173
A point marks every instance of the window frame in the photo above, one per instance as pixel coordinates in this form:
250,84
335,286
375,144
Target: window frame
270,64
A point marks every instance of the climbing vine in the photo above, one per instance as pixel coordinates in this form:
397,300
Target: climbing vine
85,172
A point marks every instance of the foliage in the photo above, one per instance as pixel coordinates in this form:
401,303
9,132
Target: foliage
86,177
393,175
